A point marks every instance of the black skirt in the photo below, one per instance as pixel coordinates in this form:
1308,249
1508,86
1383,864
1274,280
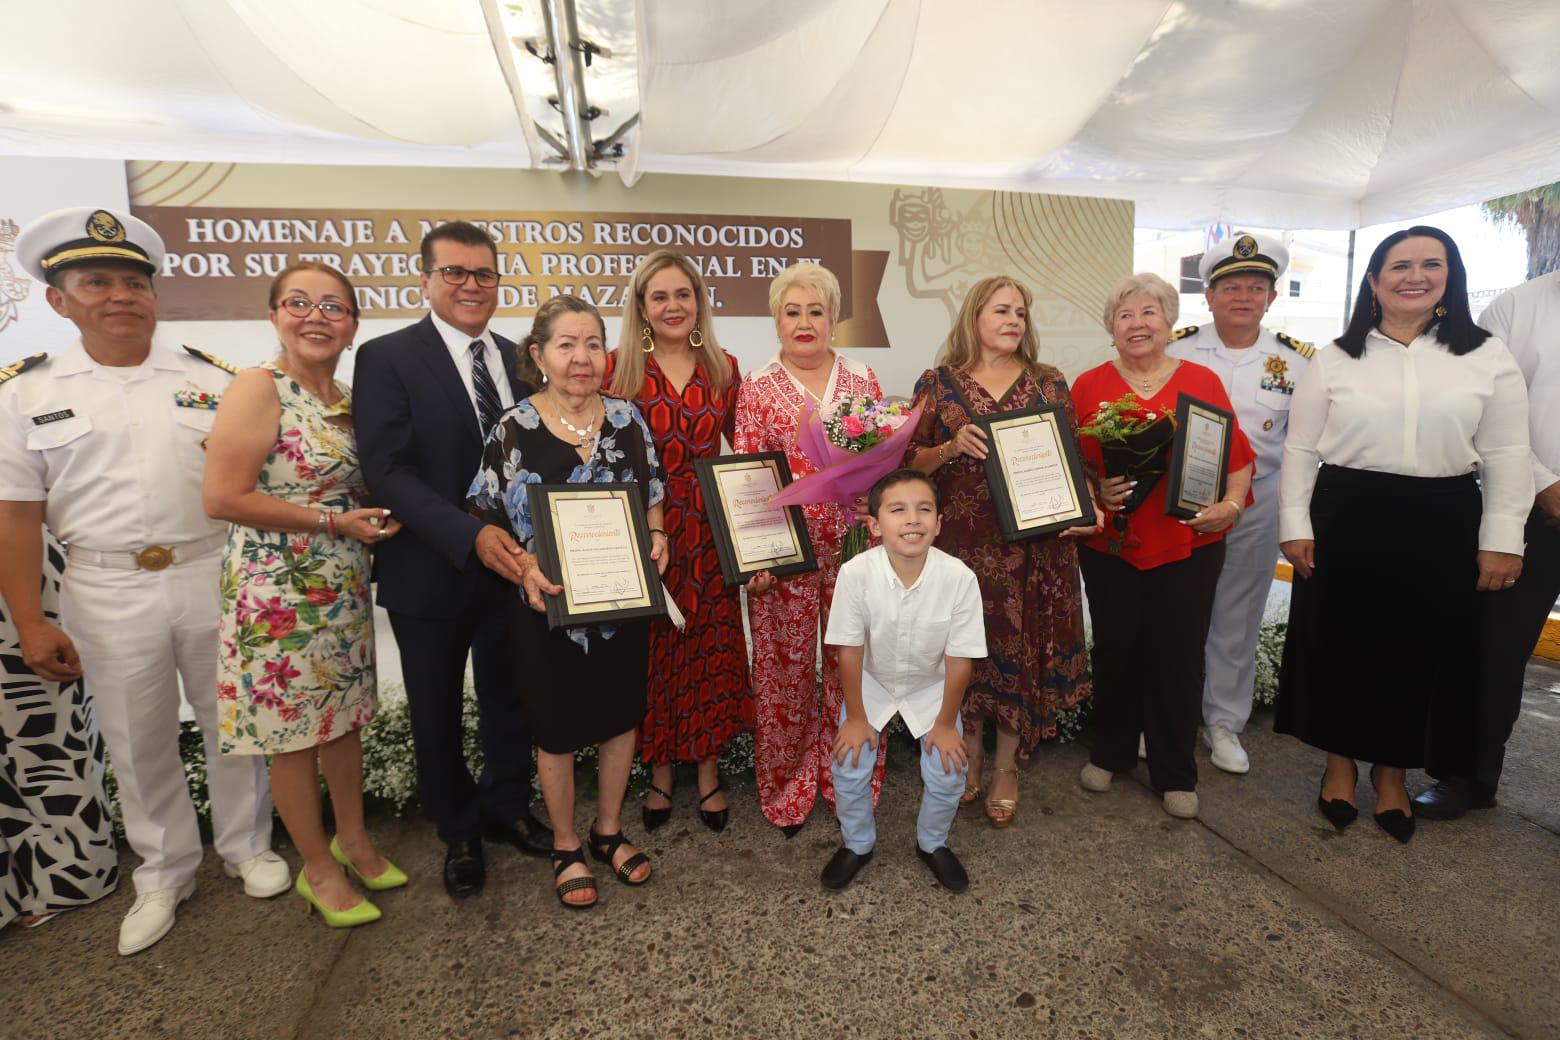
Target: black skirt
1387,624
573,698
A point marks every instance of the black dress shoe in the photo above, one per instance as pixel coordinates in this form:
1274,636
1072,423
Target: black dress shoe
1339,811
842,867
945,867
1449,799
464,870
1395,822
714,819
526,834
654,818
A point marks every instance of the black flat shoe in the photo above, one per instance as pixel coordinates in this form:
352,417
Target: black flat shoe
1340,812
604,846
945,867
842,867
526,834
1395,822
791,830
714,819
464,871
653,818
1449,800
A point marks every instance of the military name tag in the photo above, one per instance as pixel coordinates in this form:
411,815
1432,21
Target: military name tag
48,417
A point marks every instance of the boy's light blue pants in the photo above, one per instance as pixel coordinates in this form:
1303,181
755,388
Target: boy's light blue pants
853,799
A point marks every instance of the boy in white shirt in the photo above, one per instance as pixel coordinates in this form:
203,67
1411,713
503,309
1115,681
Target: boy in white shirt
908,621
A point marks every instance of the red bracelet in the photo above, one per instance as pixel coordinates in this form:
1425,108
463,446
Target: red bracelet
331,520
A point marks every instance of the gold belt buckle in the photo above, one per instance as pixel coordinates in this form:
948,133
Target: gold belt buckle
154,558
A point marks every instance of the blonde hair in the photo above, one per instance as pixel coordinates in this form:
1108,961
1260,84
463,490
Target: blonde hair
542,331
806,275
1142,284
628,377
962,347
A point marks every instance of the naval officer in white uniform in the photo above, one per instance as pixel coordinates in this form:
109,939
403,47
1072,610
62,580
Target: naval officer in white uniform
1259,370
104,442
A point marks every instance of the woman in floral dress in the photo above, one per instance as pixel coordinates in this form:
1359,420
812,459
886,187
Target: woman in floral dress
670,365
583,685
295,673
793,734
1034,610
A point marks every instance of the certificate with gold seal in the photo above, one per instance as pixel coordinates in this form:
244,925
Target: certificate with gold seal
1199,456
750,534
594,540
1035,473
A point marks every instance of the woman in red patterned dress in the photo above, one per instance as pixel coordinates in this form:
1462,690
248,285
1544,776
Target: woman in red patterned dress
669,364
793,734
1034,606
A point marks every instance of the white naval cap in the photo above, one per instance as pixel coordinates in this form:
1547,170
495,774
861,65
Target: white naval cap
81,233
1244,251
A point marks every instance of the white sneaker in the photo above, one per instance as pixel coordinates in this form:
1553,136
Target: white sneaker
1227,753
265,875
151,917
1095,779
1142,746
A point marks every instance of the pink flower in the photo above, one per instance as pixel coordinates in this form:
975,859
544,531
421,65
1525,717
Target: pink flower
321,597
281,620
853,426
280,673
290,445
261,697
226,691
300,546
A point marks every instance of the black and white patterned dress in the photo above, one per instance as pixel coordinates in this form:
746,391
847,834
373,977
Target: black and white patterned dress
56,836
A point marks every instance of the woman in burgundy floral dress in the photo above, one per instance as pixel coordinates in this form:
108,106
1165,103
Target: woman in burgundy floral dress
698,696
1038,664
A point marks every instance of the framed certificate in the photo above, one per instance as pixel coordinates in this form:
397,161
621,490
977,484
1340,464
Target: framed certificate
594,540
1199,457
1035,473
750,534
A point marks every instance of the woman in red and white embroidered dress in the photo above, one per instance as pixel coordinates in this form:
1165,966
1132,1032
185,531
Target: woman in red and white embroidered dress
794,733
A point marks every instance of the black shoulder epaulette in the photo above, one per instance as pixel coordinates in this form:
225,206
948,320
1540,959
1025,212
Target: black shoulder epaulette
1299,346
1182,332
16,368
211,359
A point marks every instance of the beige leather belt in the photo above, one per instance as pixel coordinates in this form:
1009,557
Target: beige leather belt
151,558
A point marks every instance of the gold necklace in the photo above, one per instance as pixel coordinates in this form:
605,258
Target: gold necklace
1141,386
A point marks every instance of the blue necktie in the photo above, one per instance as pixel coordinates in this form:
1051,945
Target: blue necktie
489,405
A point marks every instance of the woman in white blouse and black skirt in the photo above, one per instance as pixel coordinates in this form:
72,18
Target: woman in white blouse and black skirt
1408,412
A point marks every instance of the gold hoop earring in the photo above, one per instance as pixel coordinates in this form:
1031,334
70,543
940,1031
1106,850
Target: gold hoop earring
696,338
1440,310
647,341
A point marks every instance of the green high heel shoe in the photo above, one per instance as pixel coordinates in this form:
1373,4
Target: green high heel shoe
392,877
363,913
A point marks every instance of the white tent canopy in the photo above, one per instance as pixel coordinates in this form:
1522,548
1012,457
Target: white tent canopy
1277,113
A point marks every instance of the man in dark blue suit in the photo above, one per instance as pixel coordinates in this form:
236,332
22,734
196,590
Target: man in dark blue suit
423,399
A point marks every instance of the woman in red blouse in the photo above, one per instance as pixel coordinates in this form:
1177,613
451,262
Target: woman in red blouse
670,365
1150,587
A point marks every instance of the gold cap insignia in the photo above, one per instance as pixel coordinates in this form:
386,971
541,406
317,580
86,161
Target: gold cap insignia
103,226
1245,247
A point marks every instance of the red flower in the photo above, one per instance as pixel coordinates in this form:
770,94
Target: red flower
226,691
279,619
279,672
321,597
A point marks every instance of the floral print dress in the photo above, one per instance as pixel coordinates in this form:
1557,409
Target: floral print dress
295,656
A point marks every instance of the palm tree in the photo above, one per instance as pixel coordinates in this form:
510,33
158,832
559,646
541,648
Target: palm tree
1537,212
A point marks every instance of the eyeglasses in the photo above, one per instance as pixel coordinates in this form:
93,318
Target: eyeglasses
457,275
330,310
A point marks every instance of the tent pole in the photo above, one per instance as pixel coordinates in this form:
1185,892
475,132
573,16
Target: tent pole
1348,282
562,34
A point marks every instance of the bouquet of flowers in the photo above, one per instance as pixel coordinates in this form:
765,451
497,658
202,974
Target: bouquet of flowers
852,449
1135,442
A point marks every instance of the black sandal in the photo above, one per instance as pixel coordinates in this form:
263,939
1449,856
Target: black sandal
714,819
604,846
654,818
562,859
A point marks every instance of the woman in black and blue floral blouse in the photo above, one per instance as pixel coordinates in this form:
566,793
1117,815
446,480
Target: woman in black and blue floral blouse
582,685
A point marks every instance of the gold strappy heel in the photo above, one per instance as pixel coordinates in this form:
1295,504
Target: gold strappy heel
1001,811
